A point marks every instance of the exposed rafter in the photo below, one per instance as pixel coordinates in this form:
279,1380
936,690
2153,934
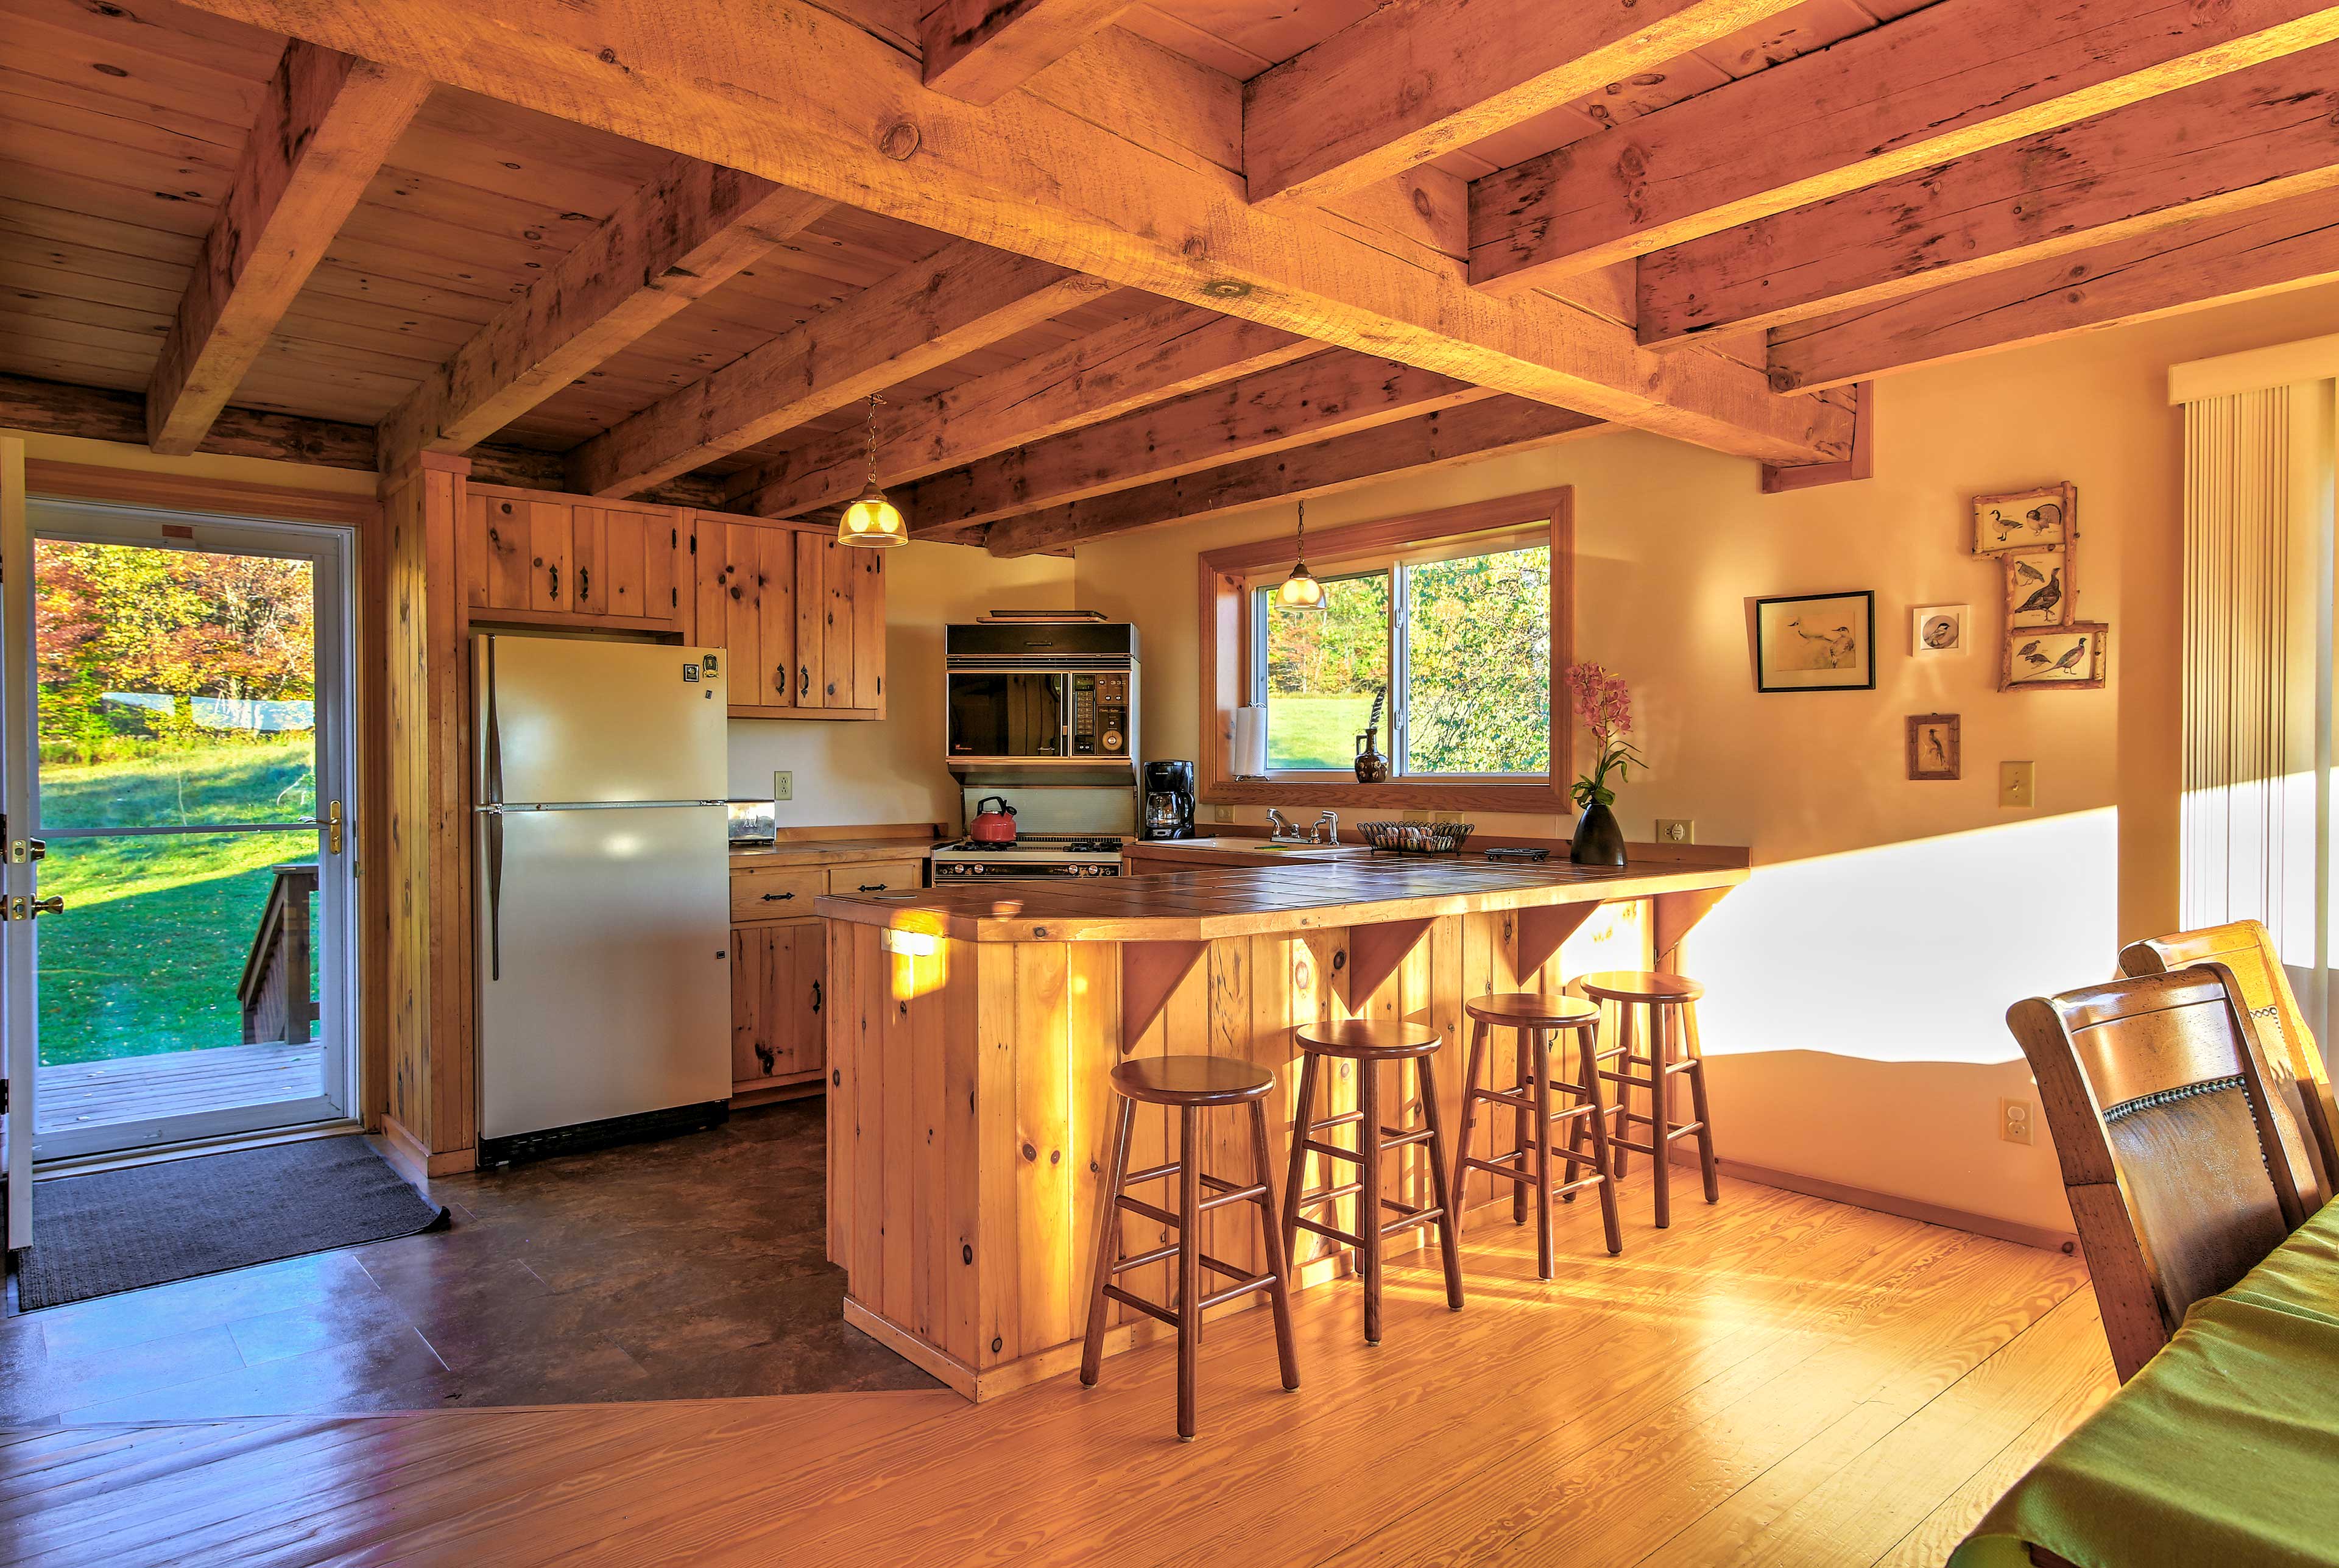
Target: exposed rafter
977,49
1327,394
326,123
954,302
856,125
1431,441
1165,352
1418,78
2107,179
681,236
2187,265
1950,80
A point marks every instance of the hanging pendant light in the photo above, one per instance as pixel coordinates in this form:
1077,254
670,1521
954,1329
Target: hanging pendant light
872,521
1300,591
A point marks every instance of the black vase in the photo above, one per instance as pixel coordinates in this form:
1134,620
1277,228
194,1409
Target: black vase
1599,839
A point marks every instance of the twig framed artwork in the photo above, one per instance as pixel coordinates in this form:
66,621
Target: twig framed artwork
2026,520
1815,643
2057,658
1935,751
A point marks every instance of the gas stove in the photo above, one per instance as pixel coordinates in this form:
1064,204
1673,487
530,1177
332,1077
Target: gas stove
1031,857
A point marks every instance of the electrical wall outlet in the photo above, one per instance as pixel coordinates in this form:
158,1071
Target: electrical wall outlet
2017,785
1446,816
784,784
1414,815
1675,830
1222,813
2014,1120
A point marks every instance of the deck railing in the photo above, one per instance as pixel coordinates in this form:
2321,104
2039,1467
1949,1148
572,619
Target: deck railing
276,989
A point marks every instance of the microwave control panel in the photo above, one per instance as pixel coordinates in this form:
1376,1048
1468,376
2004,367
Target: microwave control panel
1100,715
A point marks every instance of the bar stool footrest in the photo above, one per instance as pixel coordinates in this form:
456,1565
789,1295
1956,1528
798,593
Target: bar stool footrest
1329,1232
1129,1298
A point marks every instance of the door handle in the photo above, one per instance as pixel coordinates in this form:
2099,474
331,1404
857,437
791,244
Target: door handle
495,895
19,907
52,905
804,682
815,996
554,571
583,583
333,828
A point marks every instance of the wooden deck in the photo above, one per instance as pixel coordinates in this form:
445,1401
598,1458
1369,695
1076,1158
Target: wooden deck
137,1088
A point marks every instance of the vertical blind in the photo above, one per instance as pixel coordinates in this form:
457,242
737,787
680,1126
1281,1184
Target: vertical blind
2257,687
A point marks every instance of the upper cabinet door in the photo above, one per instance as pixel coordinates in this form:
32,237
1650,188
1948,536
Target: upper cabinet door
801,617
537,560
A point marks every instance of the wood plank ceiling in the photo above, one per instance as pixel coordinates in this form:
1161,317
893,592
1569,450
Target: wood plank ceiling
1108,264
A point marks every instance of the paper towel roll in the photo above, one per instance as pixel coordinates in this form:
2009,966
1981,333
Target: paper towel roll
1250,743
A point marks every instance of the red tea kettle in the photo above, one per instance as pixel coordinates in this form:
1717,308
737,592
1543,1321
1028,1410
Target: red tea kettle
994,820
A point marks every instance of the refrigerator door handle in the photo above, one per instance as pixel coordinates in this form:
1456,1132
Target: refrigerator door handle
491,738
495,828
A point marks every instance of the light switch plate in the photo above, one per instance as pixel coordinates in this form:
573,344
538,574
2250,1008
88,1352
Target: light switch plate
2017,785
1676,829
784,784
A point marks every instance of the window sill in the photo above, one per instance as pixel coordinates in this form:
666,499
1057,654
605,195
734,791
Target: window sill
1536,796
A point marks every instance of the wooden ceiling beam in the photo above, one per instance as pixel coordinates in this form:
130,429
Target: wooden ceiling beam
1165,352
1419,78
792,91
962,299
2201,261
1946,82
2218,147
681,236
1449,438
977,50
1331,393
326,124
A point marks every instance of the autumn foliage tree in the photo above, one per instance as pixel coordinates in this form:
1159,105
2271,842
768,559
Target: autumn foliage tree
152,624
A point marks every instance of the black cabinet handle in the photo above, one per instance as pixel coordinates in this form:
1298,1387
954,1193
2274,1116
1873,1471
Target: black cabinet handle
804,681
777,897
815,996
873,887
554,570
584,583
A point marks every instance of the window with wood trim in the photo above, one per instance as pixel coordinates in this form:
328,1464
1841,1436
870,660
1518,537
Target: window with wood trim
1455,624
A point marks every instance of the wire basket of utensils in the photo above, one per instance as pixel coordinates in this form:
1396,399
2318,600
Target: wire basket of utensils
1416,837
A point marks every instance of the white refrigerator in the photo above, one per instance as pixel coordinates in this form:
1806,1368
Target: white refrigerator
603,905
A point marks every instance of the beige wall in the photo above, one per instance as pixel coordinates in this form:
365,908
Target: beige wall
892,772
1859,978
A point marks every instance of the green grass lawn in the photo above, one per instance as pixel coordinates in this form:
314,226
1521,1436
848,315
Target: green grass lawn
1317,731
146,957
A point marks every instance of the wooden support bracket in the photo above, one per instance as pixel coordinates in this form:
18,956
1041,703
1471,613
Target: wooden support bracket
1149,972
1859,464
1543,928
1374,953
1675,915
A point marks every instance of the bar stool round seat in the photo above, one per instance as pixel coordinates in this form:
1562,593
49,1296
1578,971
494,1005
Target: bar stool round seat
1368,1039
1533,1009
1192,1080
1640,986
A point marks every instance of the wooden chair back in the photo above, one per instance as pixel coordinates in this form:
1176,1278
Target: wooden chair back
2181,1173
2300,1080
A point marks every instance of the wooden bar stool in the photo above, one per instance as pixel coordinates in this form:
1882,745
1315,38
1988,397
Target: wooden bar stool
1369,1042
1671,1003
1192,1084
1538,1017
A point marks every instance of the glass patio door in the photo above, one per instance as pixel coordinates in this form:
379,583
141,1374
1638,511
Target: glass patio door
189,839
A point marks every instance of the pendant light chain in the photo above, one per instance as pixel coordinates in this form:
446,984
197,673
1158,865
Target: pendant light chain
874,401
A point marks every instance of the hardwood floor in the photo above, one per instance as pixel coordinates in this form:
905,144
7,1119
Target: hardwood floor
137,1088
1781,1379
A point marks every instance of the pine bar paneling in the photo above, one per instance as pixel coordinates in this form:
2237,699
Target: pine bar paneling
971,1115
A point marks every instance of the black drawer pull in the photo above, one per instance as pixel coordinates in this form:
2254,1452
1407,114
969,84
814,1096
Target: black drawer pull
777,897
873,887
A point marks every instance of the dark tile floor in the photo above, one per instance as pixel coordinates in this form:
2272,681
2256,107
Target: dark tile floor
689,1269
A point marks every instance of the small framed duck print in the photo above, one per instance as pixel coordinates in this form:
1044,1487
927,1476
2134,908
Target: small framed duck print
2026,520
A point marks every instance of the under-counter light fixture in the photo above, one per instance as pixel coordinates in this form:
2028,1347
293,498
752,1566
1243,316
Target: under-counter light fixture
872,521
1300,591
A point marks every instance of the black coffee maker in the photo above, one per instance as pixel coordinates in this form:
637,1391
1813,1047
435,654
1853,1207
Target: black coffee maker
1170,800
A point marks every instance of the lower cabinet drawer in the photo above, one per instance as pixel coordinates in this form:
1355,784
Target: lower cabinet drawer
775,893
883,876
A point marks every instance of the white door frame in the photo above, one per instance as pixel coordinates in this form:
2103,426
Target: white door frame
18,743
331,550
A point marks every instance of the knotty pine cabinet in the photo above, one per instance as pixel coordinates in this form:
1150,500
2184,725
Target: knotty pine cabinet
535,560
777,975
803,618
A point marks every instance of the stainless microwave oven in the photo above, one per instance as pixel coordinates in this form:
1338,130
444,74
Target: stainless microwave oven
1051,701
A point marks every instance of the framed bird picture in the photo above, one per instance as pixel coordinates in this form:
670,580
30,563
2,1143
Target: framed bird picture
2040,591
1936,631
2026,520
1934,752
1815,643
2057,658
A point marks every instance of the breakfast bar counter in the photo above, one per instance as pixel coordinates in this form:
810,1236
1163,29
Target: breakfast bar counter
971,1031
